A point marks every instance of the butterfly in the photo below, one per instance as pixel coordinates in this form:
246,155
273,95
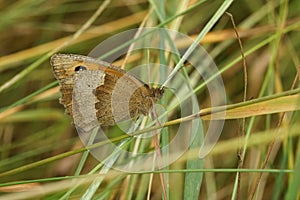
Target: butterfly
92,88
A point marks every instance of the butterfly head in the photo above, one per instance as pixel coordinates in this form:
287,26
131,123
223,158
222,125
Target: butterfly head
158,93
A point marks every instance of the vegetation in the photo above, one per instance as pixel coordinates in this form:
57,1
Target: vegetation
254,45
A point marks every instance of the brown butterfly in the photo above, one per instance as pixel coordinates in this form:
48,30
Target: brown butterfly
111,86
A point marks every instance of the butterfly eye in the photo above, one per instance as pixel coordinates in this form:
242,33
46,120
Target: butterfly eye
80,68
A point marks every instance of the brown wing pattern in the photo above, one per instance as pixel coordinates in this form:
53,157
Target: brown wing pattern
64,69
130,96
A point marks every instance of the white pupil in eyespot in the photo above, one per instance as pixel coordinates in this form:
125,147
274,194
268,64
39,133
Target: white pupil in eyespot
80,68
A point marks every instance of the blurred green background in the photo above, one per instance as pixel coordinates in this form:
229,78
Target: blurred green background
34,128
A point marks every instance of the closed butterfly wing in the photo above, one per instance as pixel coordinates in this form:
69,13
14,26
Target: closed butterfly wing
95,89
